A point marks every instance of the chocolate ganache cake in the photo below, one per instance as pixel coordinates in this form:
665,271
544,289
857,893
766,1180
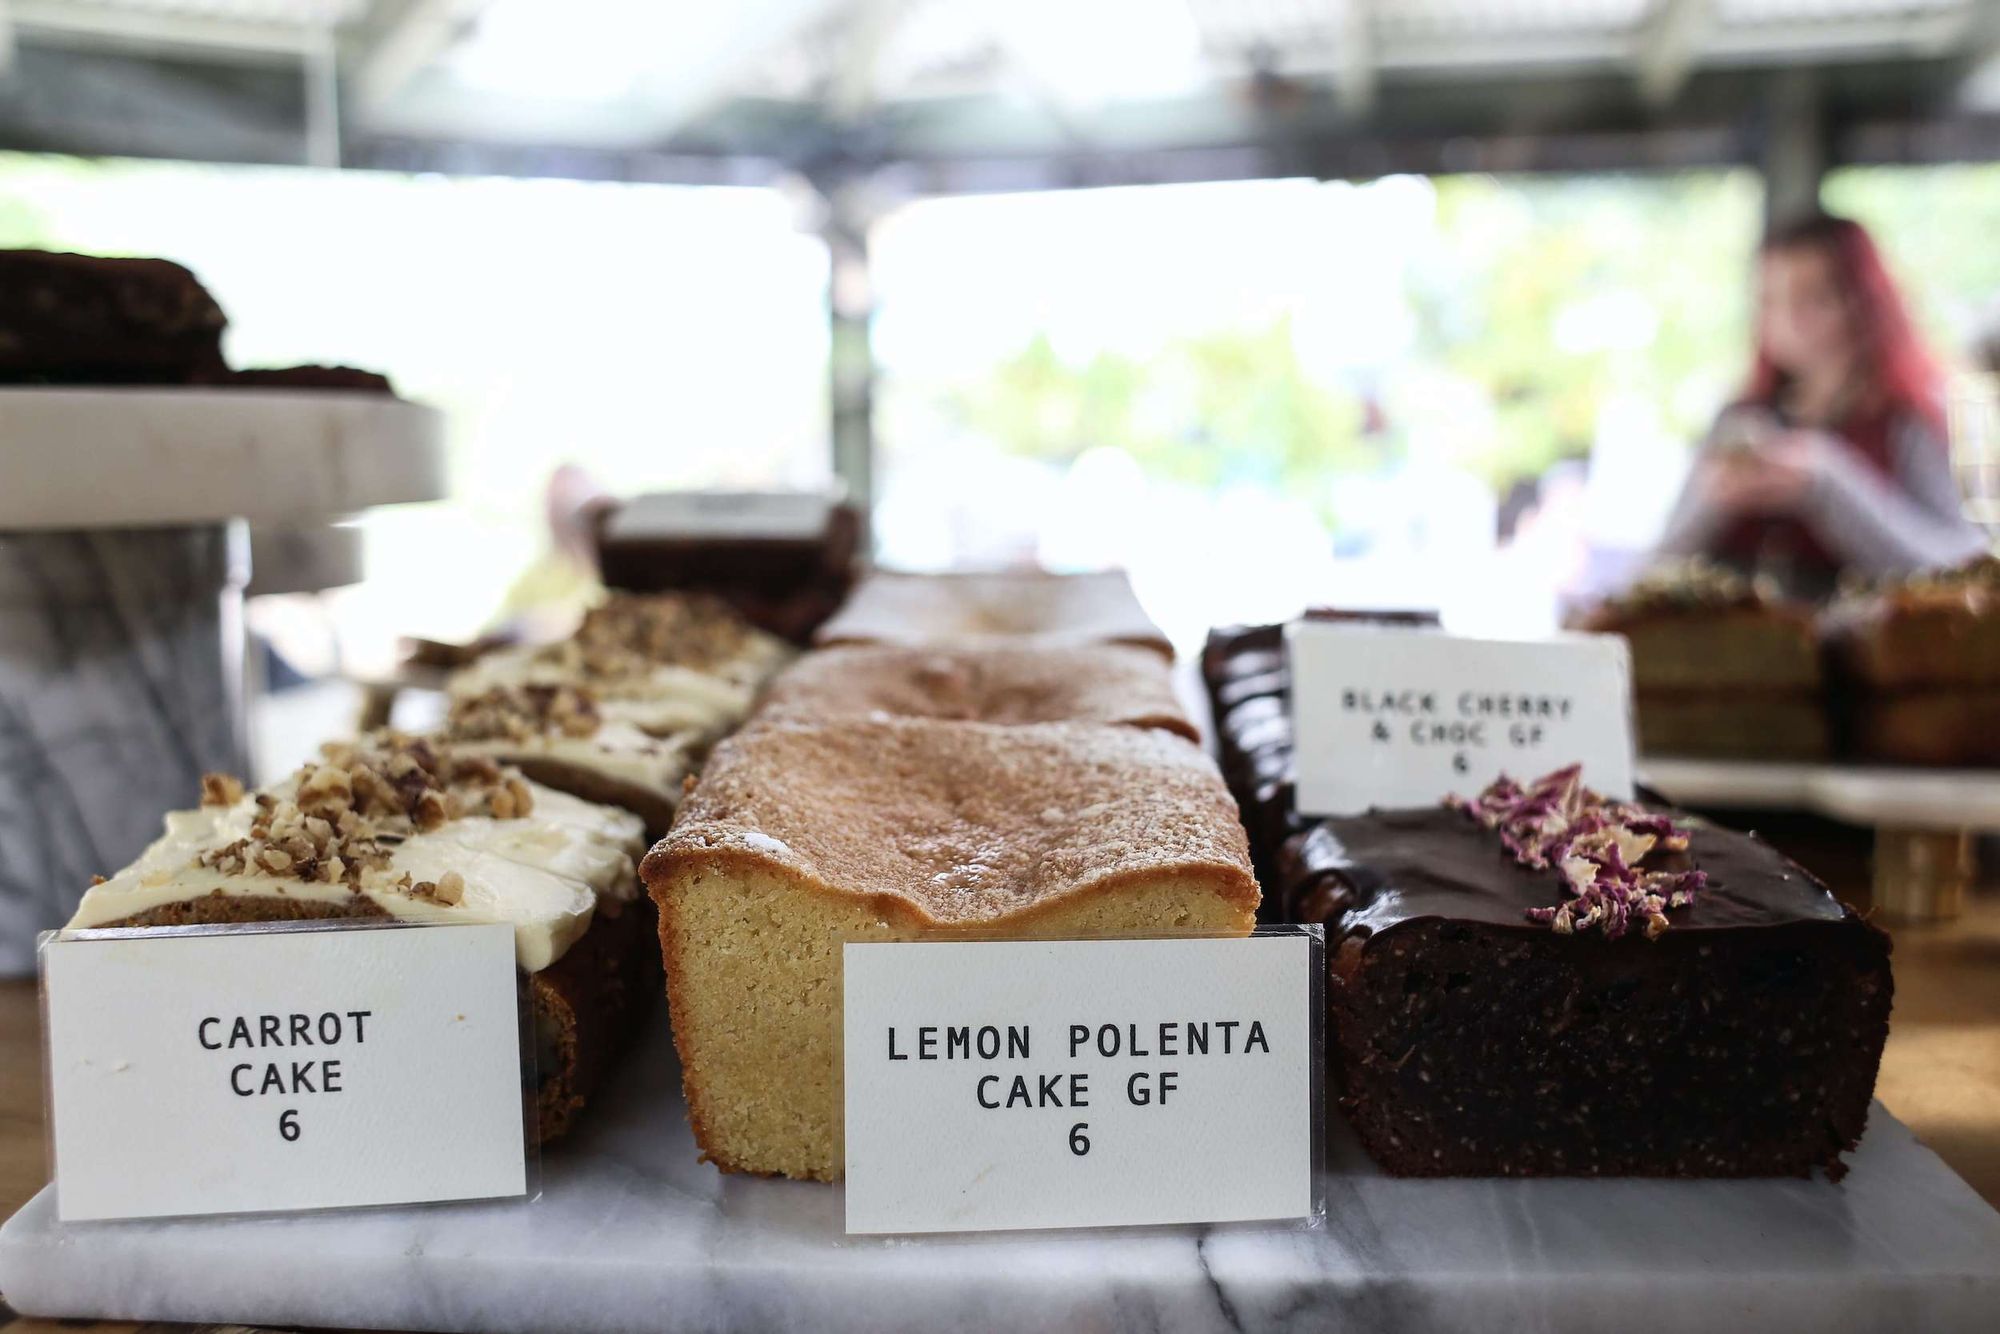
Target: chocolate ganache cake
1542,982
1249,686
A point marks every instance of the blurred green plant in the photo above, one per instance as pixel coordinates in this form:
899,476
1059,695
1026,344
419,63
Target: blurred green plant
1232,405
1544,296
1937,225
1552,293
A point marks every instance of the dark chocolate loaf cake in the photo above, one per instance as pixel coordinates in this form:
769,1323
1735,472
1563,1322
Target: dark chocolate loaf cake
344,378
786,573
1249,696
1736,1034
83,319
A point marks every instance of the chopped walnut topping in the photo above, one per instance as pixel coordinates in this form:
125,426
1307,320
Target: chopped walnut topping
1976,584
221,789
520,713
430,810
1694,583
351,808
628,635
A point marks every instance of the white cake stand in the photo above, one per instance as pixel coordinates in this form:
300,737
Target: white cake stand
145,458
124,516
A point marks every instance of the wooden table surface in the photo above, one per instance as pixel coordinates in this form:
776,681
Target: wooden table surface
1940,1074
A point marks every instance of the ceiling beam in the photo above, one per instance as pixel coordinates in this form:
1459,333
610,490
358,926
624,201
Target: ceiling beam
852,90
1355,79
719,52
1669,44
1980,84
139,31
682,75
410,37
90,102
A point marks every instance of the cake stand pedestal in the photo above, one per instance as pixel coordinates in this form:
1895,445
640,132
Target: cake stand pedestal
1924,820
124,554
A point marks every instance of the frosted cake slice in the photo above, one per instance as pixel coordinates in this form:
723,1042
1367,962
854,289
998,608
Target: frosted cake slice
403,827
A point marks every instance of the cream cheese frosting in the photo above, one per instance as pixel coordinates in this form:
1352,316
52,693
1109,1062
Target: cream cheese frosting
573,725
663,662
662,699
541,871
617,751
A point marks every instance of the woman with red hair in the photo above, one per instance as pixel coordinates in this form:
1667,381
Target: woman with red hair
1836,456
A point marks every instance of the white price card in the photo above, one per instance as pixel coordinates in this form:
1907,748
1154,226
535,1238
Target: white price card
1070,1083
203,1071
1386,716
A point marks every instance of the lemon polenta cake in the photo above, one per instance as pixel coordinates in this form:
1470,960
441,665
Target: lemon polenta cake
985,608
1107,683
801,838
403,827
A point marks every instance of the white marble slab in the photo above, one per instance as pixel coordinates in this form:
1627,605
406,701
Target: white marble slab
121,656
631,1233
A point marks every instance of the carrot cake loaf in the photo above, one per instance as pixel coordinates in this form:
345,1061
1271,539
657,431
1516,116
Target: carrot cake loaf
404,827
665,663
561,736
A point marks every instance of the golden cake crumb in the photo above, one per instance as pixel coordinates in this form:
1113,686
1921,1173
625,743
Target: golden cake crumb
801,838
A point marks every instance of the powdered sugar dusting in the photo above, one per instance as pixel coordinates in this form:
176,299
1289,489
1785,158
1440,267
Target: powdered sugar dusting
764,843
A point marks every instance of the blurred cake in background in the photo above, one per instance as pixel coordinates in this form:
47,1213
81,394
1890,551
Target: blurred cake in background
83,319
97,320
785,560
1918,664
1720,666
1035,608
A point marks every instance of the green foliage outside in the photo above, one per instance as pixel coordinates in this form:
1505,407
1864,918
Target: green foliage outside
1939,227
1554,294
1545,296
1221,407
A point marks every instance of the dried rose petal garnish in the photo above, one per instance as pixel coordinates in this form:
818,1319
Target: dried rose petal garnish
1598,846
